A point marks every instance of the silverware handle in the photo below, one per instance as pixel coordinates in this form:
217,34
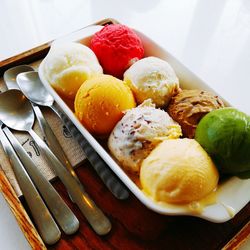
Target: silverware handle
110,180
99,222
46,225
53,143
61,212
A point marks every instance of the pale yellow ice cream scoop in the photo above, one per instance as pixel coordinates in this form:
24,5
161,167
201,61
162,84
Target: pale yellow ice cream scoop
68,65
154,78
178,171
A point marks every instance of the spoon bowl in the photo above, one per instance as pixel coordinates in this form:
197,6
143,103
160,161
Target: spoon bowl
16,111
31,86
11,74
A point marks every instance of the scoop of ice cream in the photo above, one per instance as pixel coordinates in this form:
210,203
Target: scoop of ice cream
100,103
225,135
138,132
189,106
117,47
178,171
68,65
154,78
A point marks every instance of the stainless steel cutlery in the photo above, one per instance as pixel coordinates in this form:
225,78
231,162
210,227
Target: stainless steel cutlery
61,212
45,223
16,113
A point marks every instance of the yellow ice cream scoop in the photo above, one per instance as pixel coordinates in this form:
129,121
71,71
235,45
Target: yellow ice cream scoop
100,103
178,171
68,65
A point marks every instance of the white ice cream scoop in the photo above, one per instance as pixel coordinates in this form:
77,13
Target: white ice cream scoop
154,78
138,132
68,65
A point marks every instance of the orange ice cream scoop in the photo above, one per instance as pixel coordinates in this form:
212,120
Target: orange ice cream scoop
100,103
178,171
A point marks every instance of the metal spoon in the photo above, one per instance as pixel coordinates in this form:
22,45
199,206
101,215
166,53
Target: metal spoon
16,112
32,87
54,144
45,223
10,75
61,212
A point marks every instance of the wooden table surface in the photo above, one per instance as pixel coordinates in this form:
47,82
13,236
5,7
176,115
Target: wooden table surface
135,227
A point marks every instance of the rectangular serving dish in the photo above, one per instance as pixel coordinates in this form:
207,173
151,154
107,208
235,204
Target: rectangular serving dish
232,195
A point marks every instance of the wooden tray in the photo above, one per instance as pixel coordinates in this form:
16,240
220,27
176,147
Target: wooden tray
134,226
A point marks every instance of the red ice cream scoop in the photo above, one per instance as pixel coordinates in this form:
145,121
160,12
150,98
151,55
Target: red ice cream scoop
117,47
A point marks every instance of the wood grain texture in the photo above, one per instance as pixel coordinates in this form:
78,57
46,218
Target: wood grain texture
135,227
239,239
25,57
20,214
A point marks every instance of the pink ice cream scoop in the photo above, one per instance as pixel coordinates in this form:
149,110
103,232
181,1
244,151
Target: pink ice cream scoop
116,47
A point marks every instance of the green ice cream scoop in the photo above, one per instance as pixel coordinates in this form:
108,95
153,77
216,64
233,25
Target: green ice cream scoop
225,135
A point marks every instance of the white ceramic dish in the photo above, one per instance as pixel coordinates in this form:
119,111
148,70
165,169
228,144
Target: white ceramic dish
232,195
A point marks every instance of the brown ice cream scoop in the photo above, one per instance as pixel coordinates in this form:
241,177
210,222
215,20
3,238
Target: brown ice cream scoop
189,106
